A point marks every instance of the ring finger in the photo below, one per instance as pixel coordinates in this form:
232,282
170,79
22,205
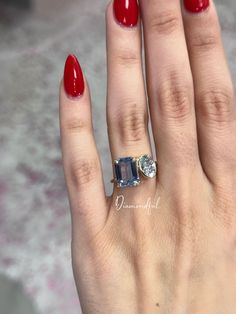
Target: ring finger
127,113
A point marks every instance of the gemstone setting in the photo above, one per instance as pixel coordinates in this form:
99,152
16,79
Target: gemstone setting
126,172
147,166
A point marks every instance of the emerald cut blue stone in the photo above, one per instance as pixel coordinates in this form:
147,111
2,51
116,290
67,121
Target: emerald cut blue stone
126,172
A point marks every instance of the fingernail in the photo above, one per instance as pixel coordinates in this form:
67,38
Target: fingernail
126,12
196,6
73,77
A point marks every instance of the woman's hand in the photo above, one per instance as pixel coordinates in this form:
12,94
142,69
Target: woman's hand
169,244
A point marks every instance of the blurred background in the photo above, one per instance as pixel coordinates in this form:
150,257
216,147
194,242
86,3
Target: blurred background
35,38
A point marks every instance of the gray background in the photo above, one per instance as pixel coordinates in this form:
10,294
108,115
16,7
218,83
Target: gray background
34,216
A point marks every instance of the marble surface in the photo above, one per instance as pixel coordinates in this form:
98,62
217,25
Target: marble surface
34,214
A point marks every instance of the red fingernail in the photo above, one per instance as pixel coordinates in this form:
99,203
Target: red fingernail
73,77
196,6
126,12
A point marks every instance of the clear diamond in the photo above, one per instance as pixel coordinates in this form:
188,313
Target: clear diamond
147,166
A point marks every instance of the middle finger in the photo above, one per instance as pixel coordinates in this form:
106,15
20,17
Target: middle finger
170,86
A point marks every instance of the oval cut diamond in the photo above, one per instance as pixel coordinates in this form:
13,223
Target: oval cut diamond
147,166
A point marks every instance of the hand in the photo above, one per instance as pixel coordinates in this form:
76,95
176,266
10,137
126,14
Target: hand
179,254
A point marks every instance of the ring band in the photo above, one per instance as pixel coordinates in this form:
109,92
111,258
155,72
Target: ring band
128,170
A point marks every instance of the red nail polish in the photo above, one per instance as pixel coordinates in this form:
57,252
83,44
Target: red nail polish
196,6
73,77
126,12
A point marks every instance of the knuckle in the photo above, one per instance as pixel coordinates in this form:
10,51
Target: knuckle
174,100
84,171
132,123
127,57
164,23
203,42
216,105
75,125
185,218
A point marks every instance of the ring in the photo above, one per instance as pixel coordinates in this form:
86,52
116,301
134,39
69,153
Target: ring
127,170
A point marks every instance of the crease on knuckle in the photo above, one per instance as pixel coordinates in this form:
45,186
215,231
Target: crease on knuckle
131,124
75,125
127,57
164,23
215,105
84,171
174,100
203,42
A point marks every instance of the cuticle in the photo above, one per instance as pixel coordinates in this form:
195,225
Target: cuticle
75,98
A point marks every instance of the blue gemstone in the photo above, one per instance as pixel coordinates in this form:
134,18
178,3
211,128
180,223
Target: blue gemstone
126,172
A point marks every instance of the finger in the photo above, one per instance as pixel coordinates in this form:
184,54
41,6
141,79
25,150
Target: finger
170,87
126,103
81,161
213,88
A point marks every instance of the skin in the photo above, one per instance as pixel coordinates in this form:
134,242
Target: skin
180,256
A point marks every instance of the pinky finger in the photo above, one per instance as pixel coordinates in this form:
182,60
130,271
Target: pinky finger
80,158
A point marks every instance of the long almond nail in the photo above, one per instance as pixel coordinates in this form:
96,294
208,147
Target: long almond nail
126,12
73,77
